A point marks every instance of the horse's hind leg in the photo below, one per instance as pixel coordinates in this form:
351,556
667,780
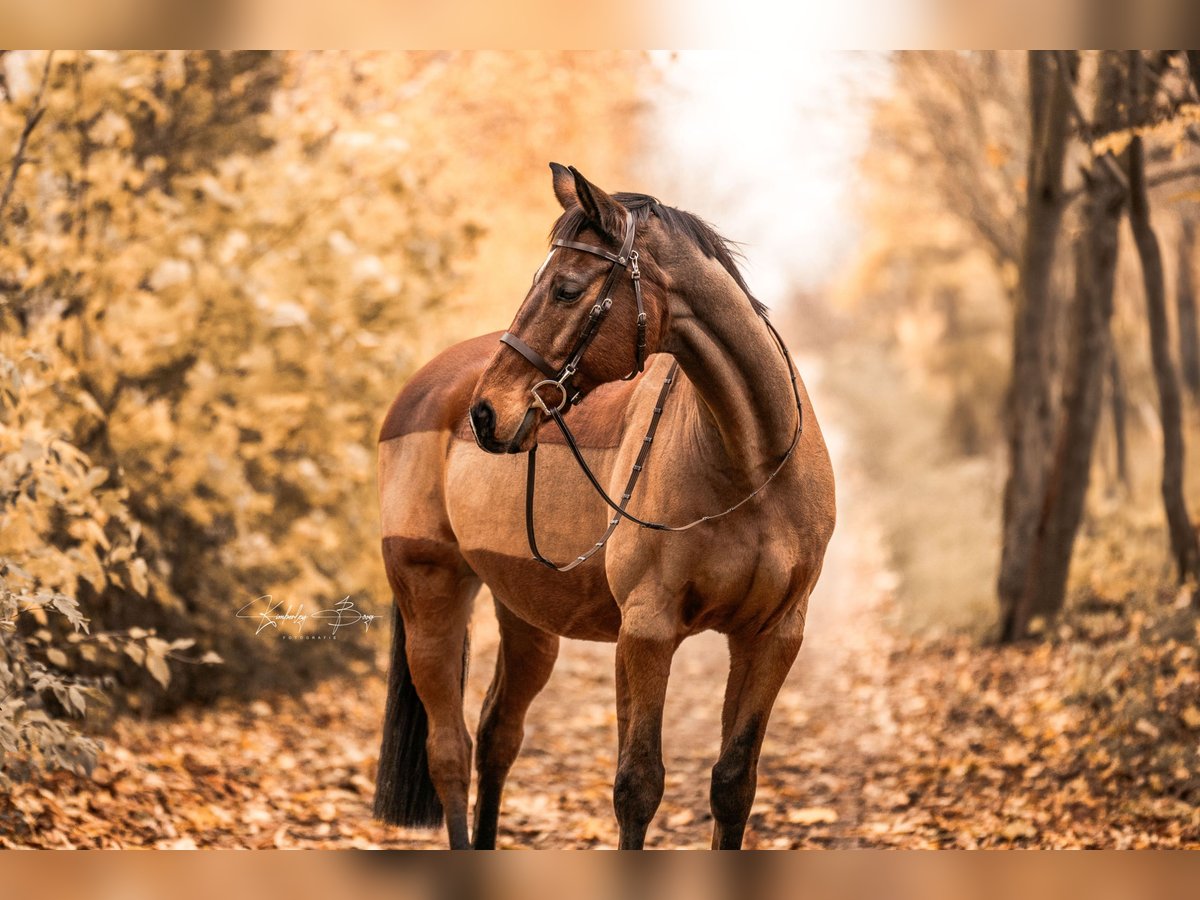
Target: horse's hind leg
758,665
523,666
434,592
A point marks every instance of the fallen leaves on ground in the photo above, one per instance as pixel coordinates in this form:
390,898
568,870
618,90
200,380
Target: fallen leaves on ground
1065,744
1089,739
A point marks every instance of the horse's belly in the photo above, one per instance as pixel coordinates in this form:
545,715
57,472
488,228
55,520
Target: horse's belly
485,499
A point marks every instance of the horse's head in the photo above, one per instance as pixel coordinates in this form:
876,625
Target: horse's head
565,340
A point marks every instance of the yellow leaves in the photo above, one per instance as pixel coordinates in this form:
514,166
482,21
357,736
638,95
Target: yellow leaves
1019,830
91,531
1014,754
111,129
88,567
57,657
170,272
1143,726
174,73
242,305
997,155
136,571
812,815
1170,130
218,192
156,660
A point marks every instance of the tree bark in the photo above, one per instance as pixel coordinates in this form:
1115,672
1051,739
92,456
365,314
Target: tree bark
1059,505
1185,302
1119,405
1184,546
1193,64
1030,418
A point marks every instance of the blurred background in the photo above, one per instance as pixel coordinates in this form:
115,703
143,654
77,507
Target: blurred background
217,269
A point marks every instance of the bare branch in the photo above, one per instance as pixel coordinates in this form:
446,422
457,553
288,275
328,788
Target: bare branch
32,117
1085,127
953,118
1155,178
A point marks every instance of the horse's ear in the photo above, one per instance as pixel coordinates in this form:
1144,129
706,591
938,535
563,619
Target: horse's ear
564,186
605,213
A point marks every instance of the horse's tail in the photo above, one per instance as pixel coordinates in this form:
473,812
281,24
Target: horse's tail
404,792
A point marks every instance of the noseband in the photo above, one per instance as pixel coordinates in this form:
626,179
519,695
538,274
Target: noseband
569,395
563,378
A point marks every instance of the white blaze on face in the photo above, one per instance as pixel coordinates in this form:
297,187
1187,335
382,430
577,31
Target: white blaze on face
537,276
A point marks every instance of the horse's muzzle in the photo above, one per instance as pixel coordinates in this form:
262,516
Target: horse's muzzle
483,425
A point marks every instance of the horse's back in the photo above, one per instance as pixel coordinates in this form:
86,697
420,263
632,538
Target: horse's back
435,398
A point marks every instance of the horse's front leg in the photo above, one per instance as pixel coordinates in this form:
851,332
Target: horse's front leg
758,665
645,645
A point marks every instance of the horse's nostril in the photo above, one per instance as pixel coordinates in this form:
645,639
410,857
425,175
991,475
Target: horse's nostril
483,419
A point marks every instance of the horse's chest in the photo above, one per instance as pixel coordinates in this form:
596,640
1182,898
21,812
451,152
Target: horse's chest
725,577
485,499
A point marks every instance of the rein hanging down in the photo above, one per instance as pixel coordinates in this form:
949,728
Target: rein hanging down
570,395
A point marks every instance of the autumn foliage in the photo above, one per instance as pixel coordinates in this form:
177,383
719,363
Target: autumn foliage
216,271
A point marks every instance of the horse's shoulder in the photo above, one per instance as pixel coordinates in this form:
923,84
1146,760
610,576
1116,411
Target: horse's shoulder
436,396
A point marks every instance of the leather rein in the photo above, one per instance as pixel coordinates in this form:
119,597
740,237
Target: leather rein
570,395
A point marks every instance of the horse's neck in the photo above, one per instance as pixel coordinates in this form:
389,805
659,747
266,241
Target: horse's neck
745,411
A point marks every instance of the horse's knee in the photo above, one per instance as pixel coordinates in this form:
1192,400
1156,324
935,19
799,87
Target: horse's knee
734,779
638,789
732,792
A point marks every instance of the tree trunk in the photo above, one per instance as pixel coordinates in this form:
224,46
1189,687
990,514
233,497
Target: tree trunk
1061,501
1193,63
1184,546
1030,420
1116,384
1185,301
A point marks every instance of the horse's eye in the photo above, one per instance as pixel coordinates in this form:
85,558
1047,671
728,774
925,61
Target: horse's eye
567,293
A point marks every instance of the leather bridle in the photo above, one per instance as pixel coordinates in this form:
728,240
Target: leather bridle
563,378
570,395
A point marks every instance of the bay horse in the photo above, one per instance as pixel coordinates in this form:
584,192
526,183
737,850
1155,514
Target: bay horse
665,367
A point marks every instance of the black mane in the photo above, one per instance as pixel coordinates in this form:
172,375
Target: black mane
677,222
